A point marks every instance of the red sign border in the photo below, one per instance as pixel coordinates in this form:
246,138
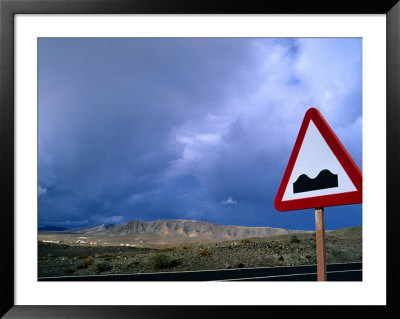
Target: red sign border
344,158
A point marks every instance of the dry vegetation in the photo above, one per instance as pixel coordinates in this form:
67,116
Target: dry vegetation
283,250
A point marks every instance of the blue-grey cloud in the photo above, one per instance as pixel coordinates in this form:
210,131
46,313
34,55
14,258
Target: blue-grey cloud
170,128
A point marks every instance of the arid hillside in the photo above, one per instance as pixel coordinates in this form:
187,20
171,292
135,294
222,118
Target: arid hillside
56,259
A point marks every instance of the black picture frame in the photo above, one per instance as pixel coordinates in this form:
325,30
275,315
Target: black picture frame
9,8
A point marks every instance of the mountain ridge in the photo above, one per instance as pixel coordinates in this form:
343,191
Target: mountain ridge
173,230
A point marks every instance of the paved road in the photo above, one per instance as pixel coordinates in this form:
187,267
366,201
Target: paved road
335,272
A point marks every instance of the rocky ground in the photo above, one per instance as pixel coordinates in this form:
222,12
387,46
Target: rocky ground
342,246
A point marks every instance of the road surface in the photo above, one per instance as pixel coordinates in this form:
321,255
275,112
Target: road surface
335,272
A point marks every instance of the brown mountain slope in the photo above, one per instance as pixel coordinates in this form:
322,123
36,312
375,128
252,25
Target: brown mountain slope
349,232
177,230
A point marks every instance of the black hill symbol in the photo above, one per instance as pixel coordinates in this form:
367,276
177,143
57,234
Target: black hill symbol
325,179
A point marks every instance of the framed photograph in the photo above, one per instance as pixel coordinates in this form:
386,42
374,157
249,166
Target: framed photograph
173,153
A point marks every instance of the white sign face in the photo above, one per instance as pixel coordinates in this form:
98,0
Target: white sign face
320,171
317,171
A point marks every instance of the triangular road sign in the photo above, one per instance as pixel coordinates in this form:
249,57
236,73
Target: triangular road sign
320,171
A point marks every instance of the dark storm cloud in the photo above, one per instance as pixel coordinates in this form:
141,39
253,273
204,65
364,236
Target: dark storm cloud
171,128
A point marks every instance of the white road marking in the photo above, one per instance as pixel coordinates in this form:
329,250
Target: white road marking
310,273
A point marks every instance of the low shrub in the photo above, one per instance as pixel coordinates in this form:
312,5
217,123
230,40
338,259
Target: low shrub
162,261
85,263
88,261
204,253
245,241
101,266
294,240
67,270
81,266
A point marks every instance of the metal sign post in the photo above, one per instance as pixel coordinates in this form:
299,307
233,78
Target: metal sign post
320,243
330,179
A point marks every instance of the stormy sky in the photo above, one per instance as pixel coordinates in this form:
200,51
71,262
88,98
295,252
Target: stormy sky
188,128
